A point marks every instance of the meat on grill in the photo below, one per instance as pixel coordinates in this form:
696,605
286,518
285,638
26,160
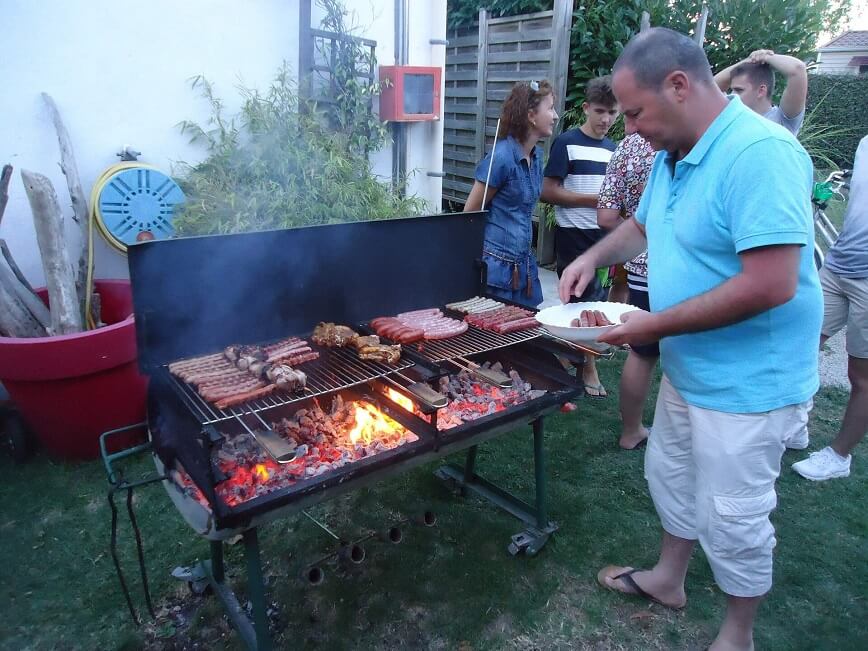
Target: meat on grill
475,305
503,320
332,335
371,349
243,373
392,328
408,327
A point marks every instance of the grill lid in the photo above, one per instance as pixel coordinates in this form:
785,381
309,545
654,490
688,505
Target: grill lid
198,294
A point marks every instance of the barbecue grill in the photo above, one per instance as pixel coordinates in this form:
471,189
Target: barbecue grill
260,287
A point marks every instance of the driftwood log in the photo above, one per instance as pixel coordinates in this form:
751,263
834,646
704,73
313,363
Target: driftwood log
7,254
22,313
16,320
25,299
59,276
79,202
5,177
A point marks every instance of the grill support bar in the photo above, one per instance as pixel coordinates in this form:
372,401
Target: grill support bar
539,529
255,636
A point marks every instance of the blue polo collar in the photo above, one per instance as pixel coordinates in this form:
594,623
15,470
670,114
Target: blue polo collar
727,116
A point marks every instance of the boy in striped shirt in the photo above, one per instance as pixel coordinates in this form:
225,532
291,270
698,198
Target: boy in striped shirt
572,179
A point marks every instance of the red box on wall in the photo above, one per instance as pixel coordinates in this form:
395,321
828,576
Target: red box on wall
409,93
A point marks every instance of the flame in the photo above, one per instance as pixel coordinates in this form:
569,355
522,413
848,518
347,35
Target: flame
261,471
400,399
371,423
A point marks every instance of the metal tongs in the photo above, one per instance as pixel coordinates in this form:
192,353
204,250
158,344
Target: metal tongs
277,447
497,378
421,390
598,349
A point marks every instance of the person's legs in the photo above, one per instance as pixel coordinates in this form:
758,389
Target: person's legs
856,416
846,300
736,632
738,460
635,382
855,423
671,481
593,387
570,243
665,581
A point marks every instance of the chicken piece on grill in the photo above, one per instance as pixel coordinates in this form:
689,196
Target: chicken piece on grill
236,353
381,353
286,377
246,362
331,335
258,368
363,342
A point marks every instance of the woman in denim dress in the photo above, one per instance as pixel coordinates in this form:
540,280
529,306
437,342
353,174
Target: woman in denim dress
514,186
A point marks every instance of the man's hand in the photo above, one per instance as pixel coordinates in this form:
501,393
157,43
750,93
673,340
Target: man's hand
637,328
759,56
576,277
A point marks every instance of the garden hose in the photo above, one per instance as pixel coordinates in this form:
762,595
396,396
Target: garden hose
95,194
129,202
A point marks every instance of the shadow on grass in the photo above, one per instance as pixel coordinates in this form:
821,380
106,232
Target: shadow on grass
447,587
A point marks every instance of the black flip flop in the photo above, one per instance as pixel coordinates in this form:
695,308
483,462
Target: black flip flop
628,579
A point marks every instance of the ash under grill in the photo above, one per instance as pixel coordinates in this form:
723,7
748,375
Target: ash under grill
336,369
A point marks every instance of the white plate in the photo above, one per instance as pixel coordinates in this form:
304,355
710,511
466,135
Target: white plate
557,319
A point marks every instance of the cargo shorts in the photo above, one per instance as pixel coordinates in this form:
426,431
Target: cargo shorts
845,303
712,477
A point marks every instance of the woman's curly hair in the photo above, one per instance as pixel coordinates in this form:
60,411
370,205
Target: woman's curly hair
525,96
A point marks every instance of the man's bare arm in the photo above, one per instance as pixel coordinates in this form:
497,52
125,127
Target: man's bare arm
768,278
796,92
624,243
554,193
723,79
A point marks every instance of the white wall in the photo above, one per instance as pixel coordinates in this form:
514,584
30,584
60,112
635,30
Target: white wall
427,20
425,139
120,72
835,63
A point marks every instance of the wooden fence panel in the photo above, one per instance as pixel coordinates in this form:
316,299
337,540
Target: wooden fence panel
482,65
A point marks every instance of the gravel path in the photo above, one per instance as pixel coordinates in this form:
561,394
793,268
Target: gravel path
833,363
833,360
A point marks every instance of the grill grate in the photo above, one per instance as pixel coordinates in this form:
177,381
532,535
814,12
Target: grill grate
336,369
472,341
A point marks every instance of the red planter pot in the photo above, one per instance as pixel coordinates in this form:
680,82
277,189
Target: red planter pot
71,388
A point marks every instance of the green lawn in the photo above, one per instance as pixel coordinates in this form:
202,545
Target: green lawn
449,587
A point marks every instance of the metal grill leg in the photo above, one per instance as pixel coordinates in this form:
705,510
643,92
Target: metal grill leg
256,589
113,547
255,637
539,468
469,467
217,569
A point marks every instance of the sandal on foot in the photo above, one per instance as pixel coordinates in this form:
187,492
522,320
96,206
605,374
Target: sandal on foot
638,446
625,575
599,388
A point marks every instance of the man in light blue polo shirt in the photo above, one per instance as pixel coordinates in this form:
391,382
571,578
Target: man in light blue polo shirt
735,303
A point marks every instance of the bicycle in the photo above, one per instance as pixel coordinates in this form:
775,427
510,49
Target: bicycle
825,231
